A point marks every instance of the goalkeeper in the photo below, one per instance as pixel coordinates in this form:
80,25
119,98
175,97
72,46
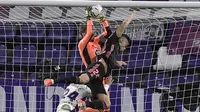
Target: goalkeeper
89,46
96,71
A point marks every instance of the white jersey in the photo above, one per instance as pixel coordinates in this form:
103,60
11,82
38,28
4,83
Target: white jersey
73,93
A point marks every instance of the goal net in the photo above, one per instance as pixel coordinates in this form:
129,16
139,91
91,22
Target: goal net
38,42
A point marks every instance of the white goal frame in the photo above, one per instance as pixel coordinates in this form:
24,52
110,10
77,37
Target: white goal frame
74,3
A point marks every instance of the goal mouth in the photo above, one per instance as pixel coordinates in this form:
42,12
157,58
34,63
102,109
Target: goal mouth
39,40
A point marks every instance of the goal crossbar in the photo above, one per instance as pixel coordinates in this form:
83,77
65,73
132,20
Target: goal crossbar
74,3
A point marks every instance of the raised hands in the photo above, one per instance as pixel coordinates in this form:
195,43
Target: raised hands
121,64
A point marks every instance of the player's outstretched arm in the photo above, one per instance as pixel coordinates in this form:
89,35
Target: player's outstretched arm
88,34
83,42
107,30
125,23
120,64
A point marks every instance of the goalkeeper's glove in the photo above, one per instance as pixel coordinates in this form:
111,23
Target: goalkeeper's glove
88,12
102,19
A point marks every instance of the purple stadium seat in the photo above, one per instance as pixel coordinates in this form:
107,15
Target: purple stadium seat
17,78
3,54
143,42
163,80
149,81
193,61
75,57
14,78
10,75
185,37
140,56
6,31
135,78
33,77
159,80
152,80
11,78
66,74
61,33
24,54
31,32
184,79
69,29
56,53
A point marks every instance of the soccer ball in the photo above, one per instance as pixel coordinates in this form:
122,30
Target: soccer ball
97,11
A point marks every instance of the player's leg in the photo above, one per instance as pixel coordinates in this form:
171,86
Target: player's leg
95,105
94,71
106,82
100,98
104,98
82,79
103,102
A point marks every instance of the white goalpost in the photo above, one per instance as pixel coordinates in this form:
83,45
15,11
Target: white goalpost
38,40
142,4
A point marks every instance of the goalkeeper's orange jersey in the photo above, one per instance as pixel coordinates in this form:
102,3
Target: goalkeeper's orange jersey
88,48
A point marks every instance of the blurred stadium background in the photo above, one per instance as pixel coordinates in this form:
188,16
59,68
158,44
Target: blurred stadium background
163,61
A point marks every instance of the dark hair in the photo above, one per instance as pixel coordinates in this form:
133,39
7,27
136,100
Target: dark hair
83,29
128,39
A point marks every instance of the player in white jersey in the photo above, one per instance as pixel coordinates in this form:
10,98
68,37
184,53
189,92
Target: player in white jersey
73,94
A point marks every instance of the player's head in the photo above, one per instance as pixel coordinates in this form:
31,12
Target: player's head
84,30
124,42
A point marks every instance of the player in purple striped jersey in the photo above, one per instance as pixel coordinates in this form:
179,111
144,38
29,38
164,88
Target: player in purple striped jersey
71,97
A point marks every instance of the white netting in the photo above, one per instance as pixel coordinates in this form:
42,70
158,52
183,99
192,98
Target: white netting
163,60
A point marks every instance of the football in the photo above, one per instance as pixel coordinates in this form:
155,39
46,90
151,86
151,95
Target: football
97,11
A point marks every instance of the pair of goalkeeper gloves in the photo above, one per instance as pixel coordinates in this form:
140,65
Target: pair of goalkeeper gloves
89,15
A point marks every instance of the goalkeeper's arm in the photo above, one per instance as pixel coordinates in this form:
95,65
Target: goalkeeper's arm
107,31
83,42
125,23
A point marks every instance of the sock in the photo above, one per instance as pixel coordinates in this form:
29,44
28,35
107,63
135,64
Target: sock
96,105
68,80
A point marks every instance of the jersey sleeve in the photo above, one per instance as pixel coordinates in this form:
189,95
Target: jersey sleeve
110,42
83,42
107,29
107,32
111,47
